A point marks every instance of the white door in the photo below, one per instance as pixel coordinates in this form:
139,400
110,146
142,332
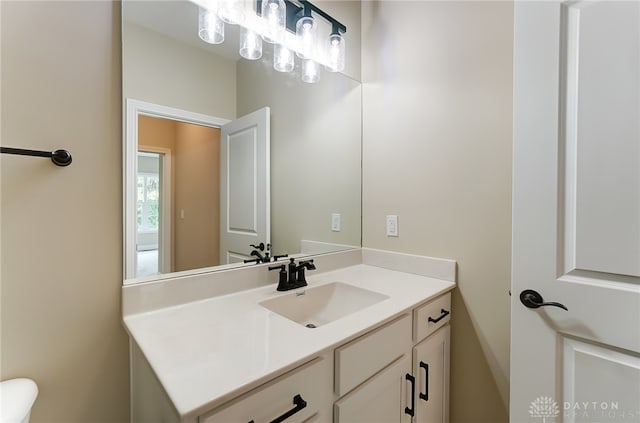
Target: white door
576,212
244,185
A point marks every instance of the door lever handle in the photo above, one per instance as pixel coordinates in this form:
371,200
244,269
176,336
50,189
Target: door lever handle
532,299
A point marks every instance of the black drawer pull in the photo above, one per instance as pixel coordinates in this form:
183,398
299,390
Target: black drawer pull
299,405
425,396
444,314
411,411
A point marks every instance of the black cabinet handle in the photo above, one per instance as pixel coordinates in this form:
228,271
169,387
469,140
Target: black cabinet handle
444,314
411,411
425,396
532,299
299,403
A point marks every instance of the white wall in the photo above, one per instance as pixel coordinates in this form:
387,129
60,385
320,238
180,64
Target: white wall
437,152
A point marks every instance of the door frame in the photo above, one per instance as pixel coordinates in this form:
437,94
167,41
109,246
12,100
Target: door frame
133,109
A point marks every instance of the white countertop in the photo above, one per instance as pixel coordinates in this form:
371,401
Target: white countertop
209,351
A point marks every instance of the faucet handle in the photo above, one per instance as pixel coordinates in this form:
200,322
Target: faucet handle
255,260
282,277
280,266
275,258
302,265
308,264
259,246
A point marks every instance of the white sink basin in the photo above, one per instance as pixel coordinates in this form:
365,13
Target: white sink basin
313,307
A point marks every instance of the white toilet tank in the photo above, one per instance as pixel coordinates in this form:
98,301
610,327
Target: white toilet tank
16,399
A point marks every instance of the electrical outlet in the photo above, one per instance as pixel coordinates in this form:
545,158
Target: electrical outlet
336,222
392,225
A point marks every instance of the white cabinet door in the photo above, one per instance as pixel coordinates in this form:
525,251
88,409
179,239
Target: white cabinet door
385,398
431,370
576,212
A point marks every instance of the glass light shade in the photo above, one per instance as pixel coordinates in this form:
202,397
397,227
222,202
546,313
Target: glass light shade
274,14
250,44
335,53
231,11
306,32
210,27
310,71
282,58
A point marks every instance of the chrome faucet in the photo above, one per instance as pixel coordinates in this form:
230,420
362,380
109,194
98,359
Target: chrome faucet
296,277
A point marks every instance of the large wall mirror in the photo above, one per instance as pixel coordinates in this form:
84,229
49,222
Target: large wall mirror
194,203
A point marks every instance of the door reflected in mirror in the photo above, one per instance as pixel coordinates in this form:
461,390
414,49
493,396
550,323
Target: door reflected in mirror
314,160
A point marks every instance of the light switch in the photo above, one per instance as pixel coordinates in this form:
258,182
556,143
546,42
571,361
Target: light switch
335,222
392,225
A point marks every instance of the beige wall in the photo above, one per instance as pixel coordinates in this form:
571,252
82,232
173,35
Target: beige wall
197,163
161,70
437,152
62,227
315,153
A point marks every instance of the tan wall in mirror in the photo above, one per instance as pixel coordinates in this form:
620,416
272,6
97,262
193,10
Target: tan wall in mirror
61,273
197,162
195,157
437,153
161,70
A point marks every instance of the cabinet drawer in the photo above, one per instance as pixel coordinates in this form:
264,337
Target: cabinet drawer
430,317
361,358
311,382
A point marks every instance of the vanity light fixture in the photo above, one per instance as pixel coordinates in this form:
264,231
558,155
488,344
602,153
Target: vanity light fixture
283,58
290,25
335,52
231,11
274,13
210,26
306,32
310,71
250,44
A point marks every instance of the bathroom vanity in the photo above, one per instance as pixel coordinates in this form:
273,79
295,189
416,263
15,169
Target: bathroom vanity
363,341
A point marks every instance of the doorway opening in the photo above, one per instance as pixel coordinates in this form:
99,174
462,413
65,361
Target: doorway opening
178,226
149,201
